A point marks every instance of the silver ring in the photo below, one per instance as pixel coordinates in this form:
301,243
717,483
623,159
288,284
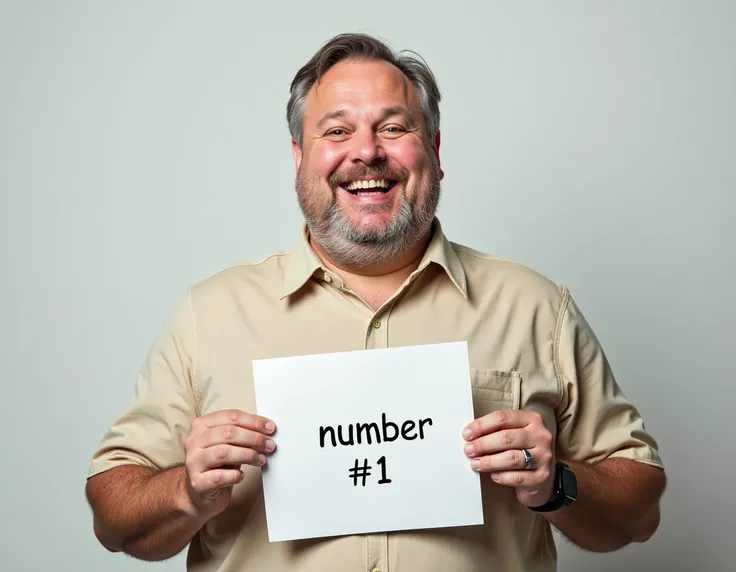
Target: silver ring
527,459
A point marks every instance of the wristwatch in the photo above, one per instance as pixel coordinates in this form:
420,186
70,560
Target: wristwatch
565,491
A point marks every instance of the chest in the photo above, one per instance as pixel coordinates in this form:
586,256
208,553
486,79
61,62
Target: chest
510,344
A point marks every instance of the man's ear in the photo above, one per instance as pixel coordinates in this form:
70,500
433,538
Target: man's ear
297,153
436,148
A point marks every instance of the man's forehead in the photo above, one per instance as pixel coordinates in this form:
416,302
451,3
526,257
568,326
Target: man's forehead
359,82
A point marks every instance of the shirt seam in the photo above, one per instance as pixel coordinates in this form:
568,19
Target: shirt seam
247,264
559,375
195,356
460,248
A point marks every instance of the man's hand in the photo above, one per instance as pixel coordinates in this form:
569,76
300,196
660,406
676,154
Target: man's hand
217,445
494,445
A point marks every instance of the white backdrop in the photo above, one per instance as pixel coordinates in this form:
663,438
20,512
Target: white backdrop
143,146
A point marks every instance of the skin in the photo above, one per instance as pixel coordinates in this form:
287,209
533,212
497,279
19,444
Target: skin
153,515
364,120
374,245
617,501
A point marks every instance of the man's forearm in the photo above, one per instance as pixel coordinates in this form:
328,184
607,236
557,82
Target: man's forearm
617,503
143,513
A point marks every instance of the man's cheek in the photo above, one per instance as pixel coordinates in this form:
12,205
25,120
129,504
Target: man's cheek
408,154
327,159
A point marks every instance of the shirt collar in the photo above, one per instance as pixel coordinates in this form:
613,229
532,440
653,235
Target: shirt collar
303,262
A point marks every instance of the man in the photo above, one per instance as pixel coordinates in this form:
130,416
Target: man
556,441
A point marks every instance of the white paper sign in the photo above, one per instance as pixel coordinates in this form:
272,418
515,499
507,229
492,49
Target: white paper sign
368,441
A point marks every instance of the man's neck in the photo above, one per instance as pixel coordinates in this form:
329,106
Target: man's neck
376,284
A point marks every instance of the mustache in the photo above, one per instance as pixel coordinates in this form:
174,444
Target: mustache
365,172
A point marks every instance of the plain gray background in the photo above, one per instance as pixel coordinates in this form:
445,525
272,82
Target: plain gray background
143,146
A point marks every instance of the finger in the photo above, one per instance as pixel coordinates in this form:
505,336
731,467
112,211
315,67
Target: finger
521,479
499,419
209,482
218,456
237,436
236,417
501,440
512,460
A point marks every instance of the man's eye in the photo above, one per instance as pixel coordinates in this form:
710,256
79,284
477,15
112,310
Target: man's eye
337,132
394,129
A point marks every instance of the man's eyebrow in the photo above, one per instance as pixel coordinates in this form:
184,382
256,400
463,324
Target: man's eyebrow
383,114
395,110
337,114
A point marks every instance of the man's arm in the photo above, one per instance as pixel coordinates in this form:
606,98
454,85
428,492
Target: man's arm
153,515
617,503
143,513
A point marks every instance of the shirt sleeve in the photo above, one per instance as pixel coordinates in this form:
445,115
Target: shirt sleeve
595,419
151,431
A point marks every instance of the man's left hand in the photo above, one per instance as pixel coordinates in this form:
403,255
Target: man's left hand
494,445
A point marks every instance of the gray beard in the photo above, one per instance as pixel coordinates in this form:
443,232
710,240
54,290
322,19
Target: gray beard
346,244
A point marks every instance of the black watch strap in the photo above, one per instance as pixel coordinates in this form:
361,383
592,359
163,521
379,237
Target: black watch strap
564,492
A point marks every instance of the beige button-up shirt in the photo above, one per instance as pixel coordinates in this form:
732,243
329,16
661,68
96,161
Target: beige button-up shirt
530,347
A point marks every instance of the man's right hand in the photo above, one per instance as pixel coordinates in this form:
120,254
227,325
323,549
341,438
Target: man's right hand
217,445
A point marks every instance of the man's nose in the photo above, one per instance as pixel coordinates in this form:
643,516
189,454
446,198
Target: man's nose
367,147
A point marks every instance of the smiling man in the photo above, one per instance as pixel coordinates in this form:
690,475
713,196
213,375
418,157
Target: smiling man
555,440
367,171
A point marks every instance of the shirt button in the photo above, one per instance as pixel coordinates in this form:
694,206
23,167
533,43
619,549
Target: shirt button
377,324
328,278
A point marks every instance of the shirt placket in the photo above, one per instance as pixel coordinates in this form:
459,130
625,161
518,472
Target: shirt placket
376,337
377,543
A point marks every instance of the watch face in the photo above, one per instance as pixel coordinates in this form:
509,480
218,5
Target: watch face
569,484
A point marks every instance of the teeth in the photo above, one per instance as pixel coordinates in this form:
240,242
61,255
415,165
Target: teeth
372,184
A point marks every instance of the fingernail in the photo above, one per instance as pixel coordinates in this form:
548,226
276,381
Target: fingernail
467,433
262,459
270,427
469,449
475,463
270,445
242,475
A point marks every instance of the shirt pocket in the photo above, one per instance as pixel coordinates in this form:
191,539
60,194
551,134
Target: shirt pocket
493,390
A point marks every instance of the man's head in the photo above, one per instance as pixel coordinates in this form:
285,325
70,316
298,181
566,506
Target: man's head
364,123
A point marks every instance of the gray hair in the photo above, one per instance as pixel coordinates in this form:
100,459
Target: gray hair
362,47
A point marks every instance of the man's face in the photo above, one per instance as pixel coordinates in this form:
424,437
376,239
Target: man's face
368,176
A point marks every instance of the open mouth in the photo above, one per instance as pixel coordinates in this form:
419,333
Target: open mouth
368,187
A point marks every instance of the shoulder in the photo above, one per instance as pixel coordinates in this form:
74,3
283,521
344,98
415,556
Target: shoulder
503,275
265,275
